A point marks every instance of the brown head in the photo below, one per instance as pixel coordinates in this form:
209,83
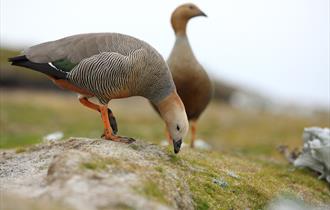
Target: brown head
174,114
182,14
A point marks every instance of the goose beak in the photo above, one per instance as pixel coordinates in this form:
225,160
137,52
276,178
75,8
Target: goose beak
202,14
177,146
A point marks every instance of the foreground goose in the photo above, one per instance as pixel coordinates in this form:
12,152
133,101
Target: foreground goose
110,66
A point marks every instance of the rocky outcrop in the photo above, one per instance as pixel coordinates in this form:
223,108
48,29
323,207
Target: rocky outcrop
95,174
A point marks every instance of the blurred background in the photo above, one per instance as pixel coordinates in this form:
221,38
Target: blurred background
269,61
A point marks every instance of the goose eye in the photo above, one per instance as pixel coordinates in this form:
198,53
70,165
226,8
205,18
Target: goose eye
191,7
177,128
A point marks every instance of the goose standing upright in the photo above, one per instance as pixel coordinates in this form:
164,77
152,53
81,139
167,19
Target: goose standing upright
191,80
110,66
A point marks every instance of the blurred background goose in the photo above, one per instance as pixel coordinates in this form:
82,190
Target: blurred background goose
191,80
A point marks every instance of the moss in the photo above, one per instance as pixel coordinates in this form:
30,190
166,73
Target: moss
134,146
120,206
20,150
201,204
259,181
99,163
152,190
252,195
159,169
93,165
173,158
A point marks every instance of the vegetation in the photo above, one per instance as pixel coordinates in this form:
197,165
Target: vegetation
243,143
14,76
25,117
258,182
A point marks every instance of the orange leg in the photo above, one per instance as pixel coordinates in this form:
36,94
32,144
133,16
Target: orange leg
87,103
108,132
107,128
109,122
193,134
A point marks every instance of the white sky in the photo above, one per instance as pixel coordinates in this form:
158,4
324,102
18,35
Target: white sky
279,48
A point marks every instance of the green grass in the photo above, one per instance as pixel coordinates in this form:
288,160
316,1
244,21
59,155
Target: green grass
243,142
98,163
15,72
20,150
95,165
258,182
25,117
152,190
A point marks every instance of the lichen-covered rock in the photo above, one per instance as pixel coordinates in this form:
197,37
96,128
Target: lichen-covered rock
316,152
91,174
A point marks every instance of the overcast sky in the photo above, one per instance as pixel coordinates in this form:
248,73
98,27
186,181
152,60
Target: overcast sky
279,48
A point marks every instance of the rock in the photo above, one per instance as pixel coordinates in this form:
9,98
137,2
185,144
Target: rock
220,182
52,137
316,152
283,203
95,174
232,174
90,174
201,144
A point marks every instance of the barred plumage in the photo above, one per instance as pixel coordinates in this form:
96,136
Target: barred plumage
107,64
107,74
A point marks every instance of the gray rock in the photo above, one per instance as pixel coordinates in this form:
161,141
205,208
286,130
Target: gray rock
283,203
316,152
232,174
220,182
91,174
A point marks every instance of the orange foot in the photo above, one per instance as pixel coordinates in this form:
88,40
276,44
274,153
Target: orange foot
121,139
108,132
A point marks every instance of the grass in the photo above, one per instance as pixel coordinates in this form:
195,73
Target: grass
152,190
20,150
25,117
258,181
243,142
99,163
95,165
7,71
